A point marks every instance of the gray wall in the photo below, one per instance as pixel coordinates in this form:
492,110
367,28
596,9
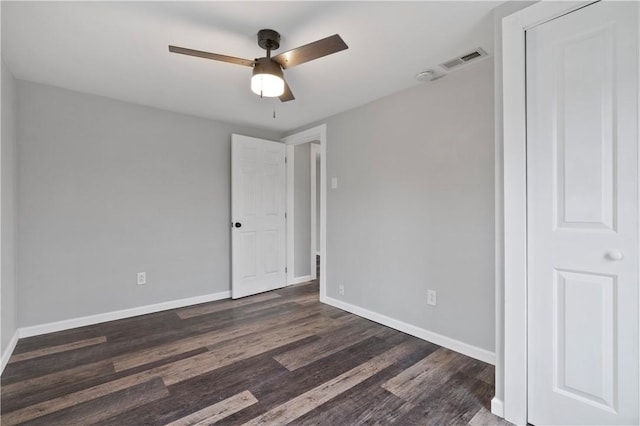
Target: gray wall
8,204
414,207
108,189
302,209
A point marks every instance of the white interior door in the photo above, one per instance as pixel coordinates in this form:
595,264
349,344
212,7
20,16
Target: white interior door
582,177
258,200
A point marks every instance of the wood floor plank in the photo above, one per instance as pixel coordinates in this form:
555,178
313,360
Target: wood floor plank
31,391
157,336
309,400
484,418
244,315
261,342
328,344
454,402
217,412
429,373
170,373
28,344
284,385
69,400
109,405
365,403
299,299
140,328
199,392
209,308
234,350
487,374
146,356
56,349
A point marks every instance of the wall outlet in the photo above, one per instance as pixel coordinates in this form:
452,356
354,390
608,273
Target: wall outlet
432,297
142,278
341,290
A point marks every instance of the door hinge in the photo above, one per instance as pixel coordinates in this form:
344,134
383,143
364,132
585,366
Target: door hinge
285,160
285,215
285,269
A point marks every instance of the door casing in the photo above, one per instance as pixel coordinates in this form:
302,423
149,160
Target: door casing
315,153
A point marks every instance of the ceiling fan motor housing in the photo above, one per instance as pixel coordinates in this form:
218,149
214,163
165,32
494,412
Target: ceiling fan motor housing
269,39
267,66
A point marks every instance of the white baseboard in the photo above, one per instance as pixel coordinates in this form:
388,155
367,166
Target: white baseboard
444,341
8,351
302,279
52,327
497,407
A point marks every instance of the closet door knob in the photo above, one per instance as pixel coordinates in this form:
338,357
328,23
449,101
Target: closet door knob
615,255
237,225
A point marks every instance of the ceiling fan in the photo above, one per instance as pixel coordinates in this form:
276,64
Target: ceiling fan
268,79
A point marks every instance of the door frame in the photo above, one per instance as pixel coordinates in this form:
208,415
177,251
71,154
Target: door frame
515,325
314,134
314,154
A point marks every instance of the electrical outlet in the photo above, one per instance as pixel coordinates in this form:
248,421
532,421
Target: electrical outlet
341,289
432,297
142,278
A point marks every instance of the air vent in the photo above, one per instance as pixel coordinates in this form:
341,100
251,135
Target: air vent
474,55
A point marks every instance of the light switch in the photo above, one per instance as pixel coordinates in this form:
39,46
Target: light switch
334,182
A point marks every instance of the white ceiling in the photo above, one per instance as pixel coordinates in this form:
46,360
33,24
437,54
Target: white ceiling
119,50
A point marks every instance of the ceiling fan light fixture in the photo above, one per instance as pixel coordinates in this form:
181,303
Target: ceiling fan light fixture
267,79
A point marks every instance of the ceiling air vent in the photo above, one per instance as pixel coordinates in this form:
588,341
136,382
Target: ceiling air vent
474,55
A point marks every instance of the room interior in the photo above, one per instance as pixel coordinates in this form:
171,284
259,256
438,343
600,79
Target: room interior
116,159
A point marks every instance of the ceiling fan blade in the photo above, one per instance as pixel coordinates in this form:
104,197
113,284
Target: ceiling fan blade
287,95
214,56
311,51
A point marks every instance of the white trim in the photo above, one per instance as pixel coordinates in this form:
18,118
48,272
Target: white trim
316,134
302,279
497,407
444,341
514,28
290,214
314,153
9,351
638,177
52,327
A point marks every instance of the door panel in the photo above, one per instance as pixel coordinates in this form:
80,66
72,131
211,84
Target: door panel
584,133
258,199
584,312
582,208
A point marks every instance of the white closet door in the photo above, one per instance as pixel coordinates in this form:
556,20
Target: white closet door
582,174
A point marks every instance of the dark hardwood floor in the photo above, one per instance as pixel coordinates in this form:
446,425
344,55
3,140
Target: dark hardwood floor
275,358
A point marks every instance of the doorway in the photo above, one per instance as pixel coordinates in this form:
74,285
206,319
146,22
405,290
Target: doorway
307,150
302,212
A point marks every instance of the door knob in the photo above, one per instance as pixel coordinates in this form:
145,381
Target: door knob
615,255
237,224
